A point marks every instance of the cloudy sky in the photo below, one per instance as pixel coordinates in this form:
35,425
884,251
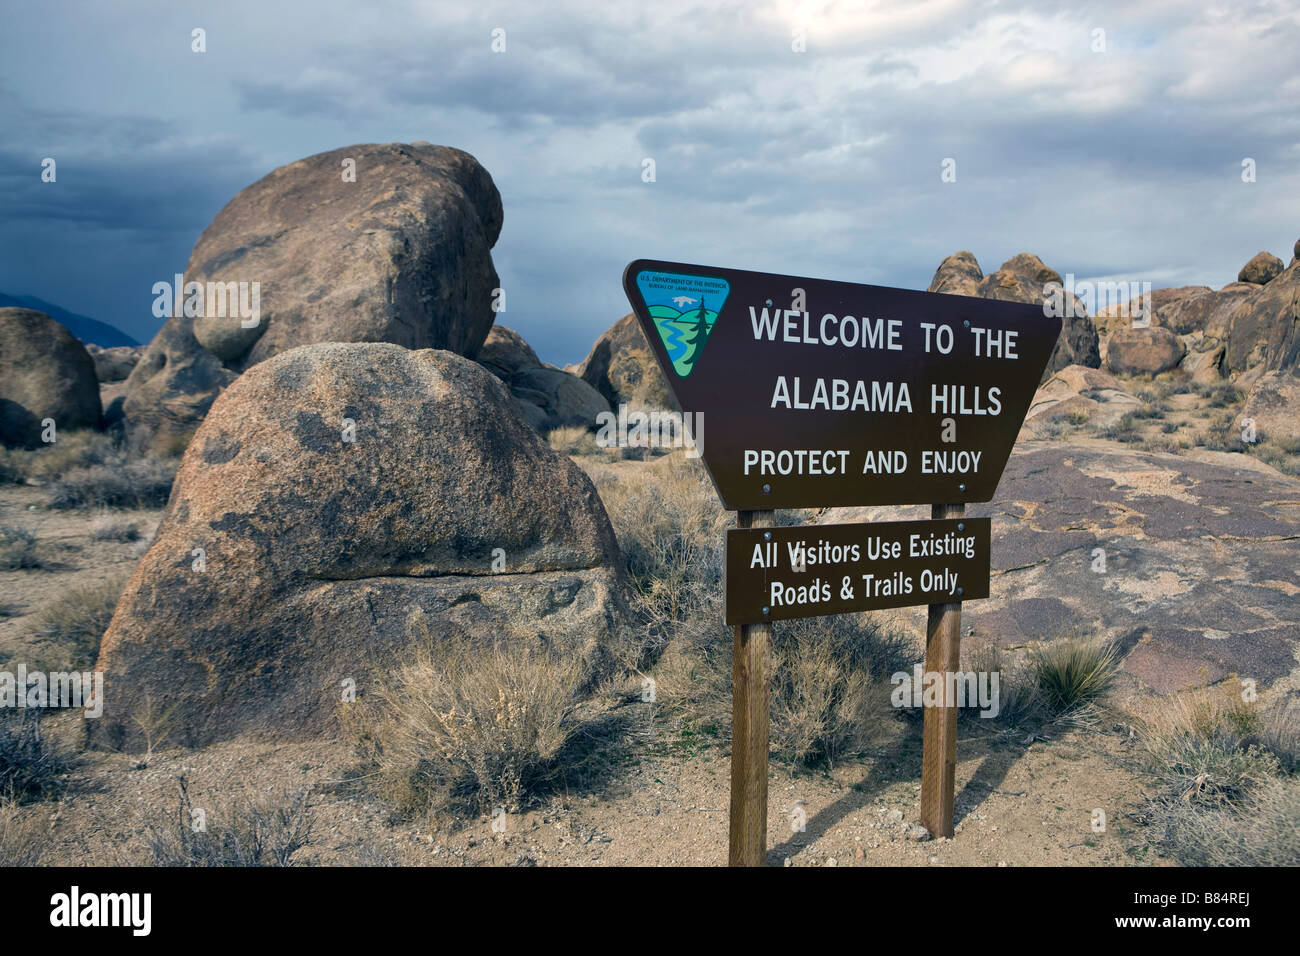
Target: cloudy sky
1111,155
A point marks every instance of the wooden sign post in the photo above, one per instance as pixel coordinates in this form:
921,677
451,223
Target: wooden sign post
939,733
750,710
824,394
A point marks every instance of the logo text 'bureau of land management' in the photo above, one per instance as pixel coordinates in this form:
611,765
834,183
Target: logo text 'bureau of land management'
684,309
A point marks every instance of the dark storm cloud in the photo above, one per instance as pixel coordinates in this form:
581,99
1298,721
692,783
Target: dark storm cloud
1124,161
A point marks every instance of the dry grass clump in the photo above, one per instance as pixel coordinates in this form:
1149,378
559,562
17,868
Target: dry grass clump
460,727
144,483
1225,786
18,549
1263,831
831,686
1124,430
68,629
267,830
572,440
1205,747
22,835
672,532
1282,453
1073,675
1018,694
830,676
108,527
72,450
31,766
87,468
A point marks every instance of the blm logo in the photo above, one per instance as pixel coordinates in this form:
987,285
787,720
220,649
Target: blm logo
685,309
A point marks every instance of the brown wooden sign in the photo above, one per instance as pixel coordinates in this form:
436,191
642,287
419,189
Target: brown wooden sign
818,393
776,574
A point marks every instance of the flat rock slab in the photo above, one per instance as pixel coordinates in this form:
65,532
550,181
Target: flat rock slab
1201,574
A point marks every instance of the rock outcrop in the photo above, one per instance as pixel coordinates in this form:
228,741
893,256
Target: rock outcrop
549,397
1274,404
959,274
45,373
330,493
1262,269
622,368
1264,329
1024,278
1143,351
1083,391
114,364
400,253
1197,574
1206,312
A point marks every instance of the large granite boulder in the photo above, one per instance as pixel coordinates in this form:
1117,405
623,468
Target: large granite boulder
1190,565
399,254
332,492
549,397
1079,390
1262,269
1156,308
114,364
1024,278
622,368
1264,329
1274,403
959,274
44,373
1143,351
1205,311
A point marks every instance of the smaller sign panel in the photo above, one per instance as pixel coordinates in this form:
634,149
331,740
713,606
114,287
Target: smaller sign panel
776,574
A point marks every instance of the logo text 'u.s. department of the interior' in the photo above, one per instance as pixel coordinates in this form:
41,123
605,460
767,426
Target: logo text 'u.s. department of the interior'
684,309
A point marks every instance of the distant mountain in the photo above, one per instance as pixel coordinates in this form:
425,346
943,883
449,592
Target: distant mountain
90,331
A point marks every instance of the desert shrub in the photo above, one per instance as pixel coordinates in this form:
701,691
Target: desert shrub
72,450
1168,428
22,837
1278,732
30,764
1223,434
1123,430
1282,453
1221,396
1072,674
671,530
830,685
829,675
1165,444
1202,748
1153,404
12,466
1078,416
1017,684
1263,831
70,626
572,440
1225,791
458,726
144,483
263,831
108,528
18,549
